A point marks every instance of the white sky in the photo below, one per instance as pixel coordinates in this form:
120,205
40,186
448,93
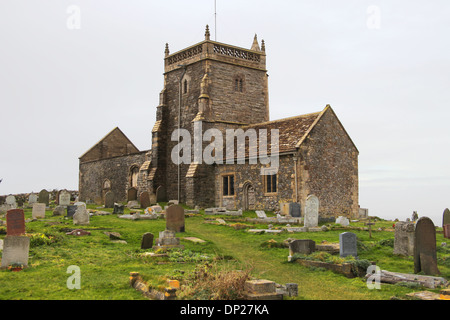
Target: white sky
62,89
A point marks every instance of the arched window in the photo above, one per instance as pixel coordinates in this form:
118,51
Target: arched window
134,176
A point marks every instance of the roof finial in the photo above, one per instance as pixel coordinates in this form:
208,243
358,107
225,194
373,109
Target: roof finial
207,34
167,50
263,45
255,45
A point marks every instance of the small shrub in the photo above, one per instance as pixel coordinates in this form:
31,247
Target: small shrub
386,243
38,239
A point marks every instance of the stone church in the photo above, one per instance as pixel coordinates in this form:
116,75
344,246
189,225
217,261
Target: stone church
211,85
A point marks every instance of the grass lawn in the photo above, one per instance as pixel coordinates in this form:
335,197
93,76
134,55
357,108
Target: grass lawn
105,266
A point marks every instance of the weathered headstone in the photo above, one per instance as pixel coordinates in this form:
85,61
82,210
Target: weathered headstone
167,239
404,238
64,198
425,257
109,199
261,214
294,210
348,244
302,246
44,197
312,212
446,217
81,216
132,194
59,210
15,251
175,218
15,222
153,199
343,221
156,209
118,208
446,229
71,211
11,201
363,213
145,200
33,198
147,241
38,211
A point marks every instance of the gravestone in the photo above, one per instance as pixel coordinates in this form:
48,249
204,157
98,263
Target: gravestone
157,209
153,199
294,210
446,217
363,213
64,198
15,222
118,208
302,246
446,229
284,208
145,200
33,198
425,258
404,238
81,216
343,221
175,218
311,212
15,251
147,241
44,197
11,201
161,195
71,211
132,194
261,214
167,239
59,210
347,244
38,211
109,199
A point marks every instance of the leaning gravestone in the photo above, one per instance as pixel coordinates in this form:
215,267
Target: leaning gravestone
404,238
347,244
261,214
175,218
15,222
38,211
425,258
81,216
145,200
147,241
64,198
294,210
312,212
303,246
44,197
109,199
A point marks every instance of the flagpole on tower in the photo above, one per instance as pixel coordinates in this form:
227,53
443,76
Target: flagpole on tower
215,20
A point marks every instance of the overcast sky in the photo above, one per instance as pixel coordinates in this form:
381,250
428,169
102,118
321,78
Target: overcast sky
71,71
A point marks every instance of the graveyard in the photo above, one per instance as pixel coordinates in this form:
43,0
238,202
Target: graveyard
123,258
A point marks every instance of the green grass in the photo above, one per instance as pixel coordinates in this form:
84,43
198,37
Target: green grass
105,266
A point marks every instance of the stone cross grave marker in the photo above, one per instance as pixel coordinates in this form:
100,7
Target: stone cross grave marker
425,257
64,198
15,222
347,244
44,197
294,210
38,211
261,214
370,224
109,199
311,212
175,218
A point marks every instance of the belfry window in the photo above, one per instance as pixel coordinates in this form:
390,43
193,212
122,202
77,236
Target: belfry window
239,84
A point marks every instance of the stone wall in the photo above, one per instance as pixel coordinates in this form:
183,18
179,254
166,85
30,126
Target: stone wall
116,170
328,168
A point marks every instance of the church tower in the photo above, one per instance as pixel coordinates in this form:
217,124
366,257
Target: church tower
208,85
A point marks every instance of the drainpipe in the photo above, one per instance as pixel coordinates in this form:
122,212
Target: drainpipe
179,123
296,182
